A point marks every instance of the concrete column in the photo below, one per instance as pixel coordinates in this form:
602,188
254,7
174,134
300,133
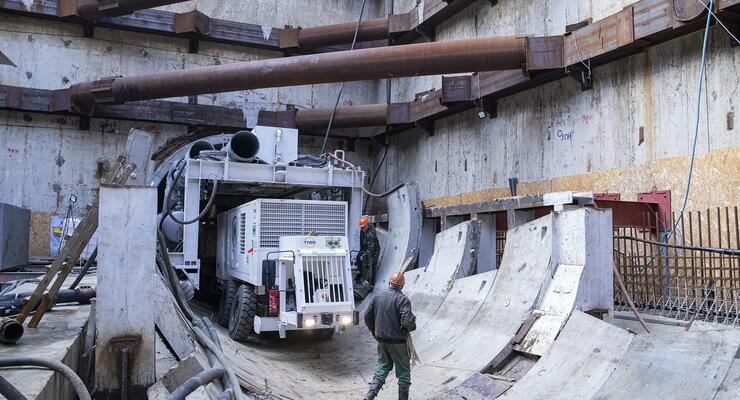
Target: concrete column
126,274
487,248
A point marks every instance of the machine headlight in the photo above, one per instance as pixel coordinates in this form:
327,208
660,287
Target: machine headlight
309,323
347,320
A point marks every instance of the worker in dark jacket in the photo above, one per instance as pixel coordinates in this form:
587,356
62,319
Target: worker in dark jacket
369,251
389,319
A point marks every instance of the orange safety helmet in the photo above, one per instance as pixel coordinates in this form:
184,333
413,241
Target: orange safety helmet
397,280
364,221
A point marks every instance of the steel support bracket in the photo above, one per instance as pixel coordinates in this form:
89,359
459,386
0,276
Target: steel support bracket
490,106
289,38
584,76
398,24
399,113
456,89
82,100
192,22
67,8
426,126
608,196
545,53
663,199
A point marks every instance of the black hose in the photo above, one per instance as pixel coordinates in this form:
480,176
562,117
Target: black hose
192,384
199,326
10,330
226,395
168,196
208,343
9,391
172,277
57,366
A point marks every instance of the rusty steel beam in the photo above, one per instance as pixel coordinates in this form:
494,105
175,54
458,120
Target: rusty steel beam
345,117
485,54
330,35
399,28
93,10
631,30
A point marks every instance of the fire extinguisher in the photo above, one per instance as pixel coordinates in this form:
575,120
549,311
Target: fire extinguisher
273,302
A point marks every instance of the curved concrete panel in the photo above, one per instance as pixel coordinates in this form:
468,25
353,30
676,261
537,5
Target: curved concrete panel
488,334
402,238
583,357
468,324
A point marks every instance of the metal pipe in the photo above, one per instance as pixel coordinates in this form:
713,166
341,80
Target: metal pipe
197,147
243,146
330,35
470,55
10,330
189,386
345,117
57,366
97,9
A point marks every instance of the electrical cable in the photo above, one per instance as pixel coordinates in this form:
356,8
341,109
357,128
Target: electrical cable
696,128
57,366
375,175
356,175
719,21
341,86
168,196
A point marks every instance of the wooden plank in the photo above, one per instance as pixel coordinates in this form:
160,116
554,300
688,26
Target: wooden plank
170,322
126,276
82,235
71,247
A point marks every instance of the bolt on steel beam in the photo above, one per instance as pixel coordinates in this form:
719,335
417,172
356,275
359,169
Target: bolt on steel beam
459,56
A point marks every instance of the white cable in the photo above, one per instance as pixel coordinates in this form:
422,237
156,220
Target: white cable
719,21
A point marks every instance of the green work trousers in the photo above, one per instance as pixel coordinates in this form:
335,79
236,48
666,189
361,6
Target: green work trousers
390,355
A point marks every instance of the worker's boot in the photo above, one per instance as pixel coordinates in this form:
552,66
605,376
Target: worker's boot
403,392
374,389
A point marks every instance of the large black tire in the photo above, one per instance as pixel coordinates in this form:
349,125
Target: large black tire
228,292
243,310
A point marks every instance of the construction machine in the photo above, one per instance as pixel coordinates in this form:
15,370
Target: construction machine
272,230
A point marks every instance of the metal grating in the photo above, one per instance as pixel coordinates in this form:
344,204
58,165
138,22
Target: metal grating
284,218
693,274
242,232
323,279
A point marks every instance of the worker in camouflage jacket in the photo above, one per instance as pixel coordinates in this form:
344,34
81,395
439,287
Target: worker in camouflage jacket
369,252
390,320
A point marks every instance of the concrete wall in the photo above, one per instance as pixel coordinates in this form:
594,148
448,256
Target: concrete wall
44,159
553,136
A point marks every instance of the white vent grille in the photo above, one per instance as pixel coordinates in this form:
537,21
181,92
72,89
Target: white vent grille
242,232
323,279
288,218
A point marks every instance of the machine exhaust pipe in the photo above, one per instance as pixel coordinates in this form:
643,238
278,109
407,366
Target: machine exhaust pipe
199,146
243,146
10,330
